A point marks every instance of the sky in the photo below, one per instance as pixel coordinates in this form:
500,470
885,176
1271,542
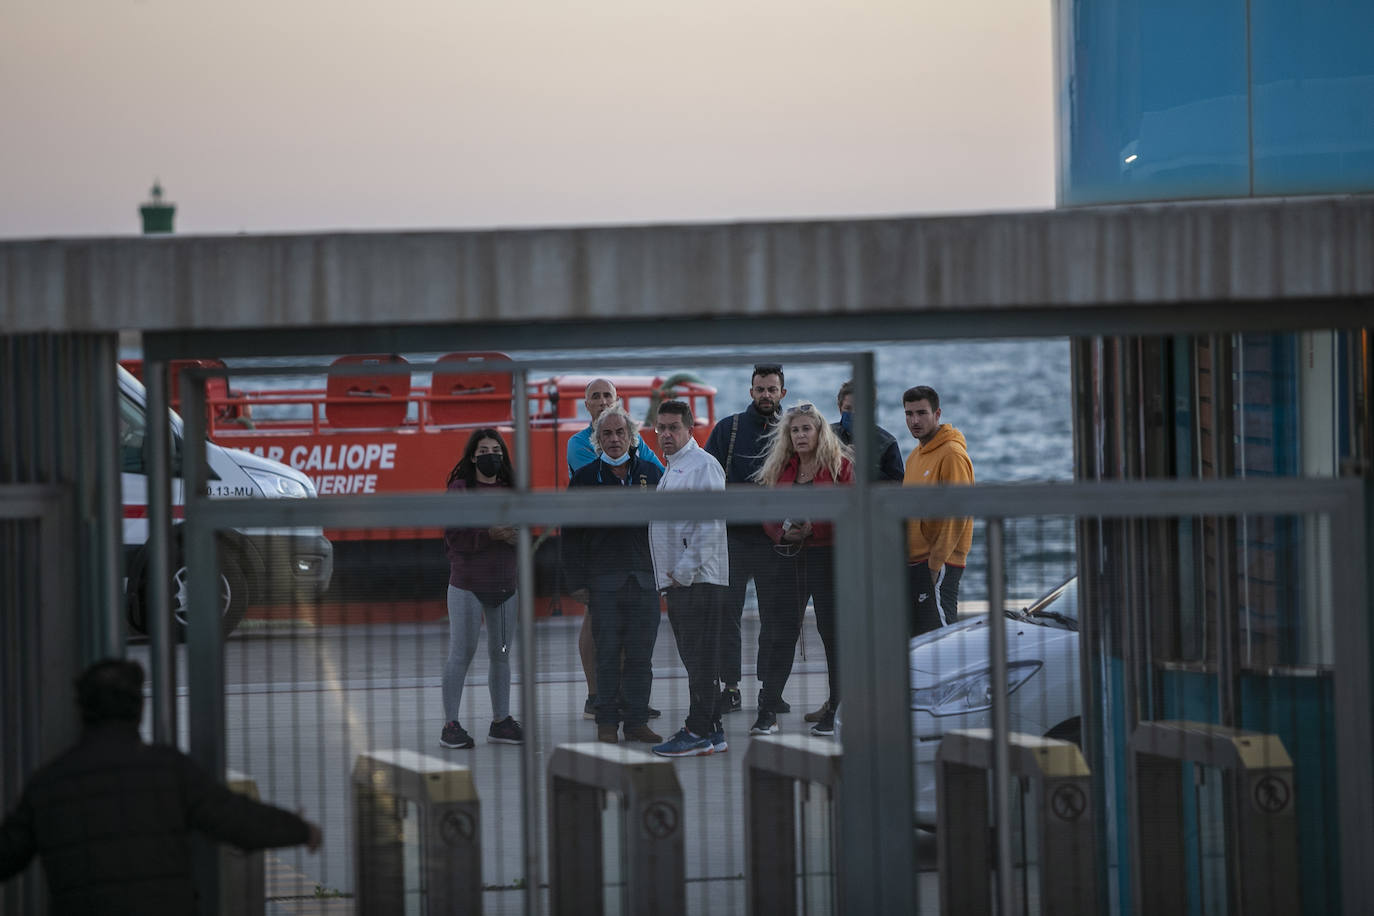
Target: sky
272,116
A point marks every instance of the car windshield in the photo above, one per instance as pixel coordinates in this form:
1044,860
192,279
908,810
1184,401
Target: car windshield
1059,607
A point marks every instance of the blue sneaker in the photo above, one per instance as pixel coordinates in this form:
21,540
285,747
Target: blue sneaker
718,742
684,744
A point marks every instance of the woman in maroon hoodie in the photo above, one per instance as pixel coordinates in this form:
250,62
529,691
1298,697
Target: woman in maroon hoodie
481,582
805,452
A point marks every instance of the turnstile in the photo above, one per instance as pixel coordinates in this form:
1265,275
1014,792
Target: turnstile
1063,822
774,765
243,882
1261,847
450,840
655,869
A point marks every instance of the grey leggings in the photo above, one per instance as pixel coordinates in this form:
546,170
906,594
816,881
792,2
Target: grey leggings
464,625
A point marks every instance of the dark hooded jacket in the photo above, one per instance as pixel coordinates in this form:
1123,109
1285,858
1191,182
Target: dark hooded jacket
112,820
889,465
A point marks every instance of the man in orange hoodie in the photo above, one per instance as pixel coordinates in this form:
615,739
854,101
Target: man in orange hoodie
937,549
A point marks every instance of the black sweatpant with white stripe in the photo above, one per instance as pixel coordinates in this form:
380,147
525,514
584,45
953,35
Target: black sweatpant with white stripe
934,602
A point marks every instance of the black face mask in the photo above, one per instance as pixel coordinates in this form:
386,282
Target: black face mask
489,464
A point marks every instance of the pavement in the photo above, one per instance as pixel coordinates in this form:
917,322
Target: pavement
302,702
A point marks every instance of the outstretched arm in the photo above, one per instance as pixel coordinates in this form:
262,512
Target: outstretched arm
233,818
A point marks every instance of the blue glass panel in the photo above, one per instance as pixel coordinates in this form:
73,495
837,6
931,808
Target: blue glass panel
1313,77
1152,100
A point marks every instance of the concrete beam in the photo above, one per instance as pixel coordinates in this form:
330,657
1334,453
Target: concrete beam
1224,252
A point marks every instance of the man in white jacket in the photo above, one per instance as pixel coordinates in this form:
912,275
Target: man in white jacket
692,569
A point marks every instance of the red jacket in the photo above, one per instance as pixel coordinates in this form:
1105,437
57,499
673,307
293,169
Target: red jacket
822,533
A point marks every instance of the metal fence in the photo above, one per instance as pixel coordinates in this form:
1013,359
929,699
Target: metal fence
375,685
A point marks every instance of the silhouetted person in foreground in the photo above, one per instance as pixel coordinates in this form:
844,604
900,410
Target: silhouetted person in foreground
112,818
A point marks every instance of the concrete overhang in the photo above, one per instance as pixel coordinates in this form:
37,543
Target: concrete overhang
1227,255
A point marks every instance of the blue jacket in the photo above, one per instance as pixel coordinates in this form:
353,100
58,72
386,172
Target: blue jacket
580,452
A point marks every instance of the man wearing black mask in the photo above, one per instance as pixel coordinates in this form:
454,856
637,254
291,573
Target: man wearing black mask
739,443
887,464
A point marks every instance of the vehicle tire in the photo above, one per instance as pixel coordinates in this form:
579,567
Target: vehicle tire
233,592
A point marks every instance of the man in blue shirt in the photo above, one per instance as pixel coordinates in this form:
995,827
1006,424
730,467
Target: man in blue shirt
599,395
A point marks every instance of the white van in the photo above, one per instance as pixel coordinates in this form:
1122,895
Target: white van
255,564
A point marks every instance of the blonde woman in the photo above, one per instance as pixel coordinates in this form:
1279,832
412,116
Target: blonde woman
804,452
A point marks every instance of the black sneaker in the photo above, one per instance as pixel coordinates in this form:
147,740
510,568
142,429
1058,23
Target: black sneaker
652,713
730,700
778,706
454,735
589,707
765,724
507,731
825,726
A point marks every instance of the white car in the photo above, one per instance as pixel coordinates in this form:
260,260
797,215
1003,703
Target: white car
255,564
951,681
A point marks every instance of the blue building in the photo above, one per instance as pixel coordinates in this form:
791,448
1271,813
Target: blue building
1206,619
1173,100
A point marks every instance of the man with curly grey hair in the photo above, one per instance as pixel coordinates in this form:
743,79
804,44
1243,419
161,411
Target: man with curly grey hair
622,600
599,394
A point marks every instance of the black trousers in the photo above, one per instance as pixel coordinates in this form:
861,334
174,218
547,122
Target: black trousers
694,613
751,557
809,576
934,601
624,620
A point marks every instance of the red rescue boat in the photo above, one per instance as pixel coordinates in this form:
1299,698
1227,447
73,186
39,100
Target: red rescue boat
382,433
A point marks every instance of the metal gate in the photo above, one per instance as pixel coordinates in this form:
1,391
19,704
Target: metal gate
39,646
874,833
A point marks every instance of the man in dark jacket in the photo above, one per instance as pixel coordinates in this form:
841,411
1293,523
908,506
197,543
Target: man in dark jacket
112,818
619,571
740,443
887,464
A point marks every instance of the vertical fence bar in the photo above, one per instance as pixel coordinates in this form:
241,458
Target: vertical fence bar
98,354
1352,605
157,569
1001,726
205,651
524,553
877,872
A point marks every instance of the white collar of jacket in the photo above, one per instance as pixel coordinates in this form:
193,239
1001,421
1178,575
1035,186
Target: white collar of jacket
681,453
